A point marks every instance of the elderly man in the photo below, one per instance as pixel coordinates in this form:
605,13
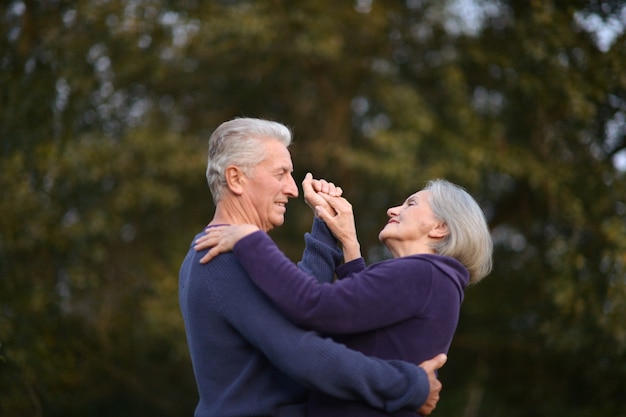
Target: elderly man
248,359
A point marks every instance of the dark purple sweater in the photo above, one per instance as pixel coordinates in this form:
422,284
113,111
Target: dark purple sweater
250,360
405,308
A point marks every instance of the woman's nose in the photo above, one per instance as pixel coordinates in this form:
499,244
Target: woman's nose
392,211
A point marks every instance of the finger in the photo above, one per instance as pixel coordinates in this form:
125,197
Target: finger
216,229
210,238
440,360
315,185
218,247
332,189
324,187
434,363
203,243
307,181
336,204
212,253
333,208
323,214
426,410
339,204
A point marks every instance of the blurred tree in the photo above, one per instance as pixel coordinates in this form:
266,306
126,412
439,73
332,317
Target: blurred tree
104,113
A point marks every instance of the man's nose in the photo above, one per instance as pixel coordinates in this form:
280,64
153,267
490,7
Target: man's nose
292,188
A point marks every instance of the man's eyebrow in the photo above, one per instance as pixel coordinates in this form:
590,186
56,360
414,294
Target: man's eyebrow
283,169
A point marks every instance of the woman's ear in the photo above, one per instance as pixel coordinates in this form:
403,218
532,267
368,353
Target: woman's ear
439,230
235,179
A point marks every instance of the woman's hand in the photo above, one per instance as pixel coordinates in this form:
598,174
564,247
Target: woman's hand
313,189
222,239
340,220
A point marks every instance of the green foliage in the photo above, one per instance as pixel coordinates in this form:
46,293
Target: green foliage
104,114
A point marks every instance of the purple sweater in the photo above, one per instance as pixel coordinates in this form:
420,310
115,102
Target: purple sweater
249,360
405,308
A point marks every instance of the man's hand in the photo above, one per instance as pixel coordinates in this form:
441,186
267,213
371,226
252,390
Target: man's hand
312,189
431,366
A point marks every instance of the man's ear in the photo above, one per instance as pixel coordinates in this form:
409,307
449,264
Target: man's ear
235,179
439,231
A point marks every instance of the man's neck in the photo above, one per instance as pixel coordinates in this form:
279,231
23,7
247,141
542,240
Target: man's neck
228,212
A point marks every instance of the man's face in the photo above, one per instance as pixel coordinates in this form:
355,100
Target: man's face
270,185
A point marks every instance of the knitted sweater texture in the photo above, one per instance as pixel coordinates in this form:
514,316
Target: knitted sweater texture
405,308
249,360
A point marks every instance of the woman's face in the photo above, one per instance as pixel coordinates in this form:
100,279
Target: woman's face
410,225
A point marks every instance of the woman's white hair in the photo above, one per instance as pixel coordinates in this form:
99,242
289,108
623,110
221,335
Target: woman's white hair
468,240
236,142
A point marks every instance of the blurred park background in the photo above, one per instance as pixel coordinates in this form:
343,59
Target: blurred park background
106,107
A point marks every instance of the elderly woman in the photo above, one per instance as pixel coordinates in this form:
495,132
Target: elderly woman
402,308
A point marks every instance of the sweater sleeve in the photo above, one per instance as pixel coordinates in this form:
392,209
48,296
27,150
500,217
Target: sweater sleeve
315,362
349,268
321,254
370,298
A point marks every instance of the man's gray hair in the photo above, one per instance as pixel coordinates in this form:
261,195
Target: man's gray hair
237,142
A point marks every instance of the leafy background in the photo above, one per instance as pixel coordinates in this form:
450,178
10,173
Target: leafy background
105,110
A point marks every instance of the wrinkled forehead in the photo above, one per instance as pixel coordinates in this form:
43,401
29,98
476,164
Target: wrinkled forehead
420,196
276,155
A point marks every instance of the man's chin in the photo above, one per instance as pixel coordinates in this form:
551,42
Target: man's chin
278,222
